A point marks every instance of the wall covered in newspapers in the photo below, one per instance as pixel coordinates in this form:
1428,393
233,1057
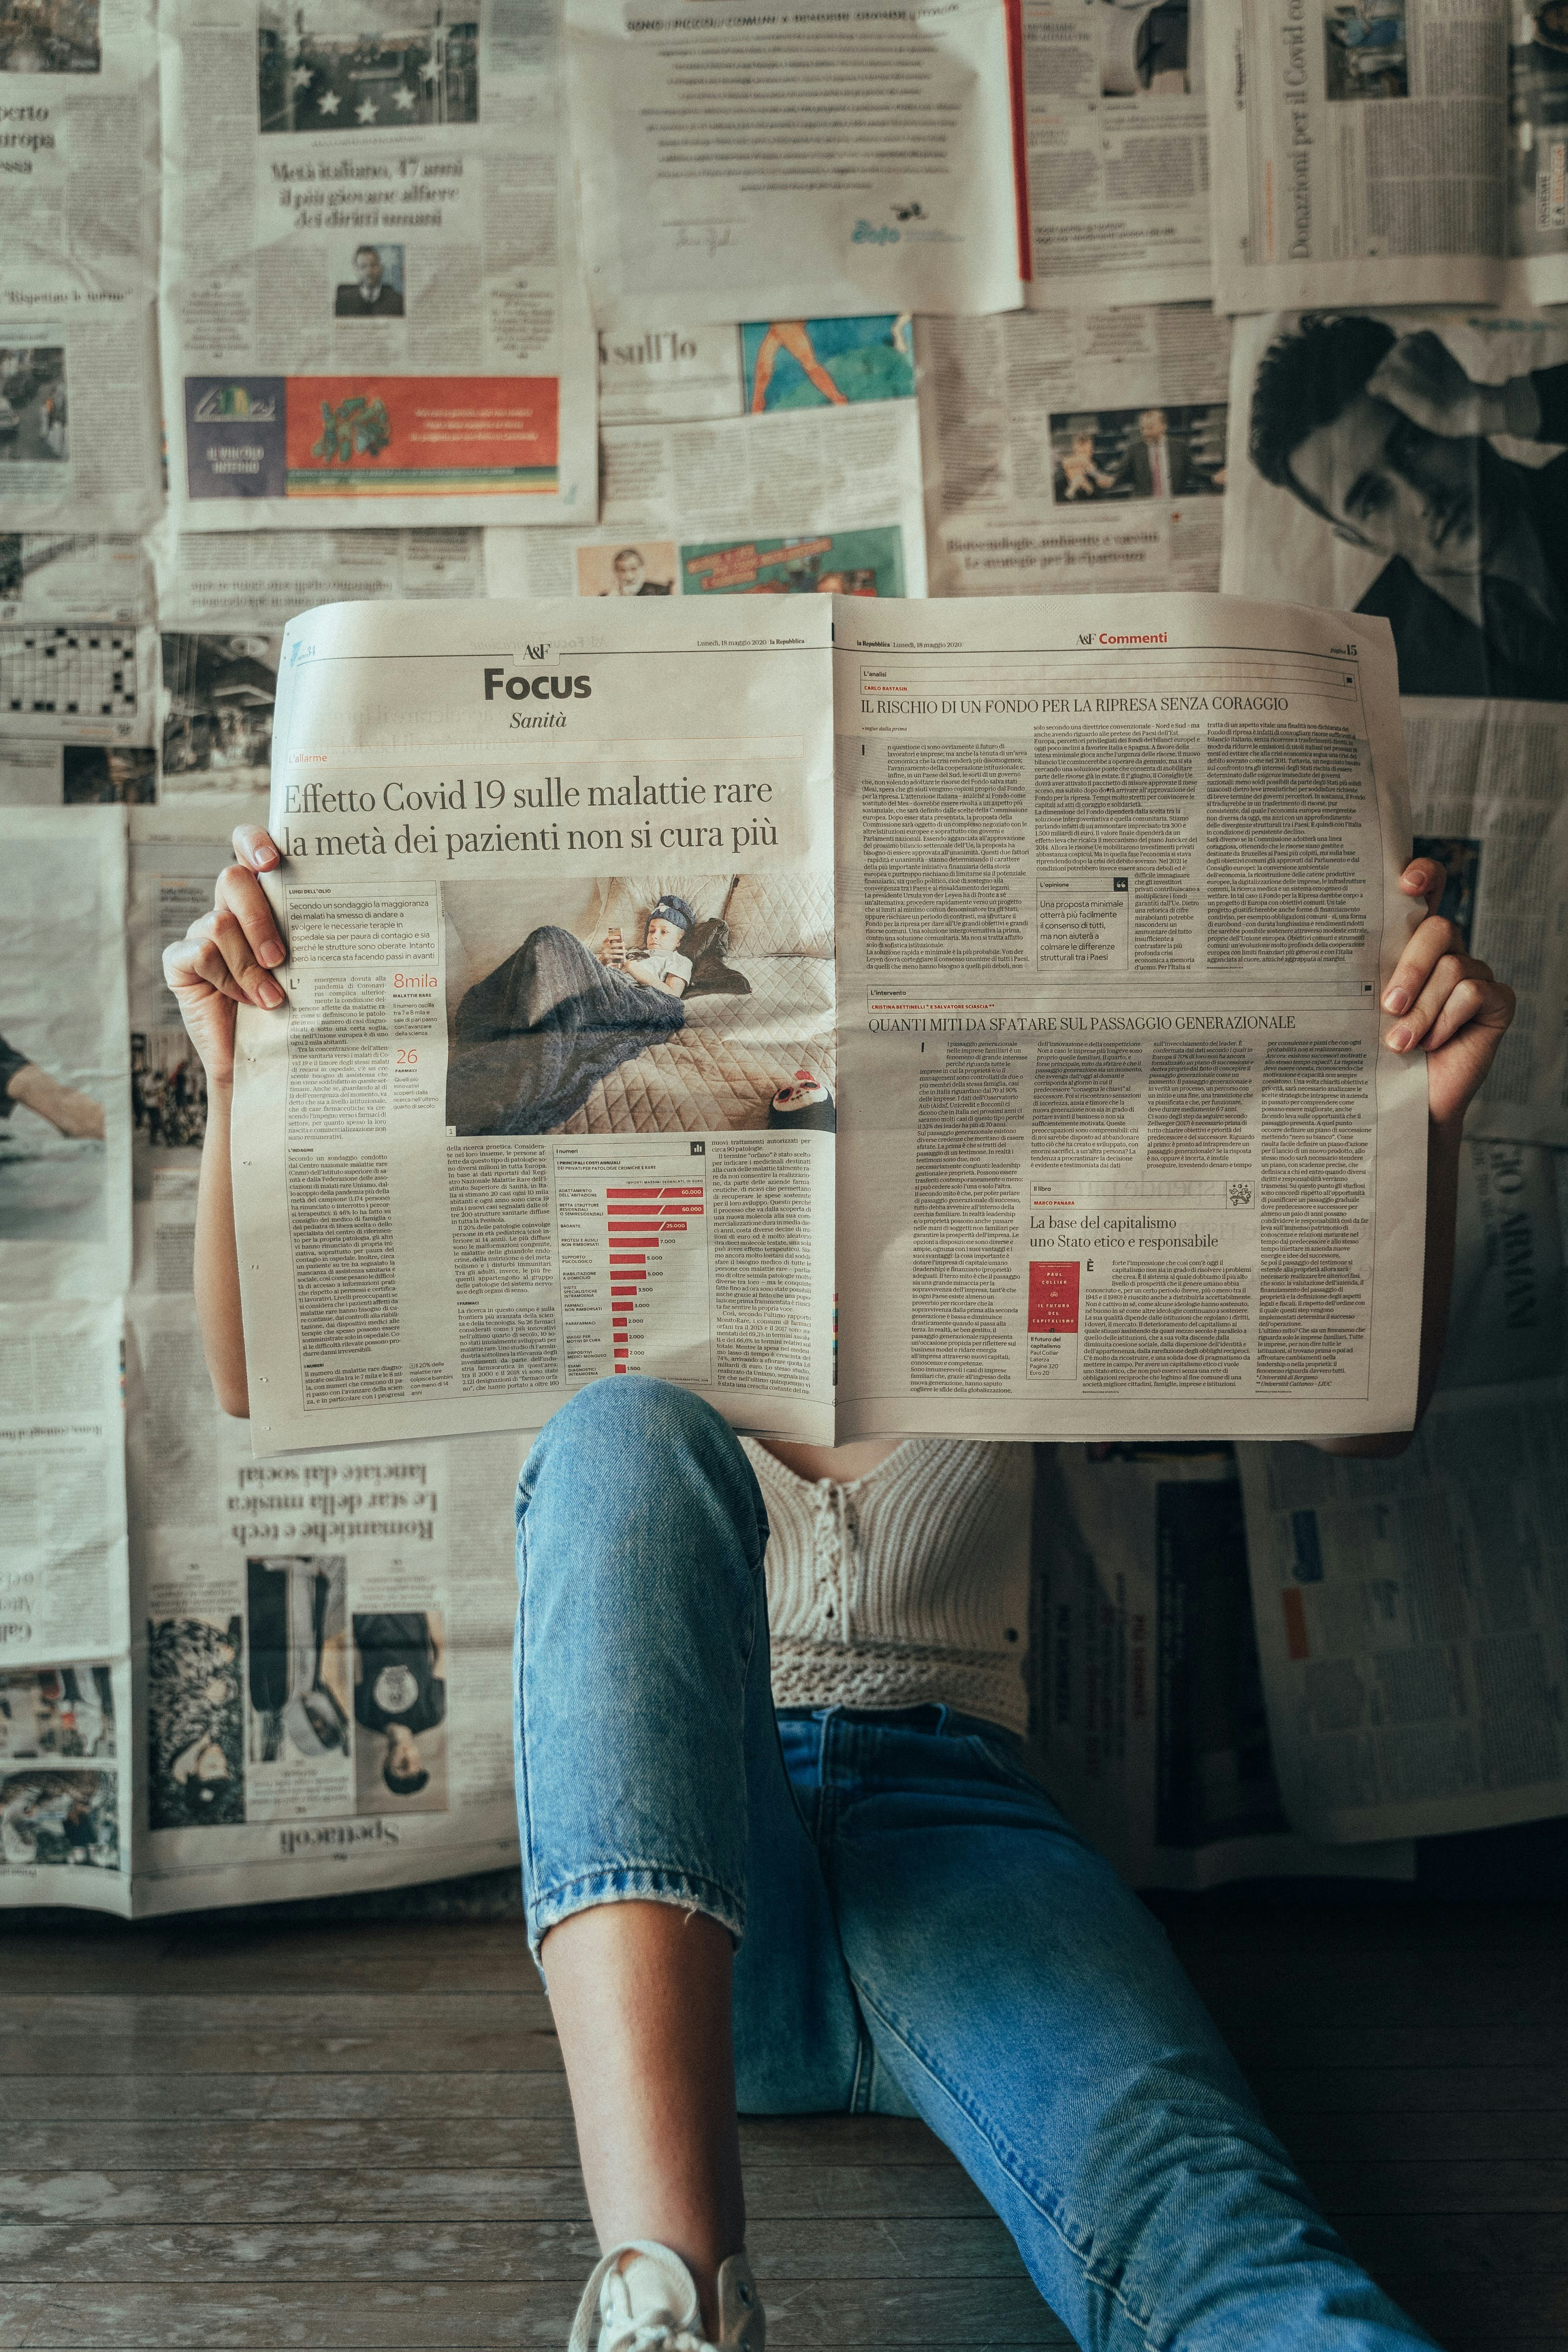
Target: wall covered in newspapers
332,303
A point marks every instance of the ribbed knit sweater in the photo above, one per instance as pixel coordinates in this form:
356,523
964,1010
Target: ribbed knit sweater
909,1585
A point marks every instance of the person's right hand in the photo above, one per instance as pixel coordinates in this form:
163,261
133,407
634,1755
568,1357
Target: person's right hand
225,959
1424,381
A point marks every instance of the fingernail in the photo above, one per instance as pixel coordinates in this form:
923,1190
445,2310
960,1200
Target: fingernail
273,953
271,995
264,857
1396,1001
1398,1039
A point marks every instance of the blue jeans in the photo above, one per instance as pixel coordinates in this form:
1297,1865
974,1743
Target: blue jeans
919,1930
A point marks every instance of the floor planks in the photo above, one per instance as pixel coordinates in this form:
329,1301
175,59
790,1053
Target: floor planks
223,2133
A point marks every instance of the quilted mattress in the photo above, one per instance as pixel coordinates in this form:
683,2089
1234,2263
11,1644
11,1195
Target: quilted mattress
725,1067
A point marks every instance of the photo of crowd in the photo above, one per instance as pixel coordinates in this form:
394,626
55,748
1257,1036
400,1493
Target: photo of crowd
49,37
1366,55
1137,452
218,693
168,1090
59,1820
344,70
33,426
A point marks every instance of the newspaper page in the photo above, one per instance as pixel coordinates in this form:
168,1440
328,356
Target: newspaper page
1509,1317
52,576
1488,788
1360,152
323,1650
65,1674
1410,463
1119,1147
1066,451
553,1093
817,159
824,501
231,594
79,233
1118,152
1151,1724
1413,1620
371,309
77,681
176,852
673,375
64,1125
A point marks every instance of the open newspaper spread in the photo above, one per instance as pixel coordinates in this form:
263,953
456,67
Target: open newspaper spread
1378,151
574,984
371,312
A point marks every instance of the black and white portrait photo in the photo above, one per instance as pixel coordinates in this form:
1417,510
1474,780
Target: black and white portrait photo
1416,470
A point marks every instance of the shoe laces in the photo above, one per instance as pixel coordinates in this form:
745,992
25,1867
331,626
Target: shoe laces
666,2321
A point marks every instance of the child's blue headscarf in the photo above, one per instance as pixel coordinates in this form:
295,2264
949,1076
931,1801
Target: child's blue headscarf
671,910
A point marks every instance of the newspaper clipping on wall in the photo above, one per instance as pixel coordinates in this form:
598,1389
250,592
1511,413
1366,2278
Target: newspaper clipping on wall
669,375
814,158
1413,1620
1074,452
79,230
1150,1723
1378,151
371,309
805,502
65,1126
1118,152
64,1676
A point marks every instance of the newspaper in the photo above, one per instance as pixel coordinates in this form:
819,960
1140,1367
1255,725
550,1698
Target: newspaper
673,375
1377,150
53,576
1089,1030
805,500
1074,450
1488,784
176,852
1119,1145
1413,1622
65,1682
1118,152
254,582
371,309
65,1126
812,160
1150,1723
78,231
1509,1317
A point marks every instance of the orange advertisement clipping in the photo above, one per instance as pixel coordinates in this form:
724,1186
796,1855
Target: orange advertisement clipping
373,435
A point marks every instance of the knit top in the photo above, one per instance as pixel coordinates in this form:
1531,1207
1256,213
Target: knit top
909,1585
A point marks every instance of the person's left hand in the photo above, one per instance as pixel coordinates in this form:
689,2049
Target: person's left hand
1451,1006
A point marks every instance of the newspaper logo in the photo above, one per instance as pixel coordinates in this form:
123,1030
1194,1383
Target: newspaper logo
1239,1195
235,428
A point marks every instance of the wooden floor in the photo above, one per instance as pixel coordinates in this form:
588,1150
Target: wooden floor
356,2135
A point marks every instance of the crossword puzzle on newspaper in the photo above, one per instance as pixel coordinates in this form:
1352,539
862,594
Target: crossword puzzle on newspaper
82,669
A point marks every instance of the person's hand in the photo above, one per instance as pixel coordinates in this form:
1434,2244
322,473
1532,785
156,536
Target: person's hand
227,958
1450,1005
1424,381
614,950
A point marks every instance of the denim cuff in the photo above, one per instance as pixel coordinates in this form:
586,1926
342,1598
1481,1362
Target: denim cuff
635,1883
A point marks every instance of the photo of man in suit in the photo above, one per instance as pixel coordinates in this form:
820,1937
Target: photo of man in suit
631,575
1387,438
370,296
1157,463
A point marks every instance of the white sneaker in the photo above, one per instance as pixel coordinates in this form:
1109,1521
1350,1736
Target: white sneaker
646,2302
